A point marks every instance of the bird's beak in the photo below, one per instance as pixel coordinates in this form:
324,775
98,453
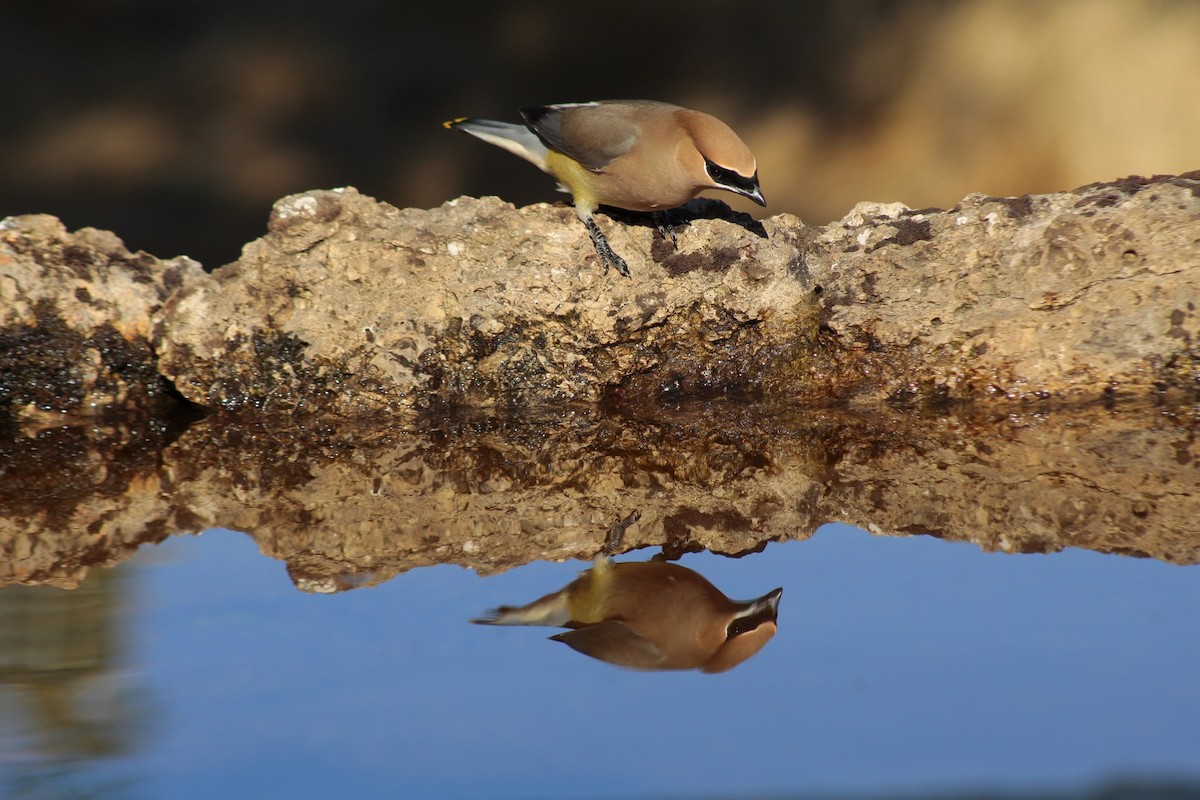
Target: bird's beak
770,601
754,193
757,197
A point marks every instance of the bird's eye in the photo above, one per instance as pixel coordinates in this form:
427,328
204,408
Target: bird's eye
717,173
746,624
727,177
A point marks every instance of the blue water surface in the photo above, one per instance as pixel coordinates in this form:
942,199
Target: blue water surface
901,666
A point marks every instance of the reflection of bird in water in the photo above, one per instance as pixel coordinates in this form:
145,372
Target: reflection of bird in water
650,615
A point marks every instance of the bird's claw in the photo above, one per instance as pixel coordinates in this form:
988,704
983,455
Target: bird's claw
617,532
666,227
608,256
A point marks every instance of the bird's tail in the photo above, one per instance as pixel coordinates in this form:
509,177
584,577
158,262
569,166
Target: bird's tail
552,610
516,139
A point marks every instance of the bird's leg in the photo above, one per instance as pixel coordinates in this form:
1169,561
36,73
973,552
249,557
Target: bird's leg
617,532
604,249
666,226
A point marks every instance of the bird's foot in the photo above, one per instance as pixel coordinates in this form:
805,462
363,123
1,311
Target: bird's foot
666,226
603,249
617,532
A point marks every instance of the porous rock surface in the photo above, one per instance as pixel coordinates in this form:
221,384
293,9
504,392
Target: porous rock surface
349,306
350,314
75,318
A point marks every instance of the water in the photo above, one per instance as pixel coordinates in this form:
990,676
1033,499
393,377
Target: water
902,667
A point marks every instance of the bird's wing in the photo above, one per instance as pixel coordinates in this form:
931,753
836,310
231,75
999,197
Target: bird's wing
591,133
614,642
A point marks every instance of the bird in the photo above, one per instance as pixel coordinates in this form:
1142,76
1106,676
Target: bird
637,155
650,615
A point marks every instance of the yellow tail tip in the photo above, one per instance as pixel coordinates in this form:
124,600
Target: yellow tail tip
450,123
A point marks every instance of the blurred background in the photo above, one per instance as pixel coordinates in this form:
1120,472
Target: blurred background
177,124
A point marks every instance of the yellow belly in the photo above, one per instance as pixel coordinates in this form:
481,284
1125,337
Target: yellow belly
576,178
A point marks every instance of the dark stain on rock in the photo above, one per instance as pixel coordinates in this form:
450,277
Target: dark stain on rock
140,266
922,530
53,472
1177,330
172,280
649,304
480,345
48,365
133,362
79,260
1017,207
1034,545
1183,450
1128,552
278,347
1133,184
661,249
908,231
677,526
1189,181
455,376
269,371
718,260
39,363
1101,200
868,283
798,268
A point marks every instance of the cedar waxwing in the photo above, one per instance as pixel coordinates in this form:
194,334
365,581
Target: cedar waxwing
650,615
639,155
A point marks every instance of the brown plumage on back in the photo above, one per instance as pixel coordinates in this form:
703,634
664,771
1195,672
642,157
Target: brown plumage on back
638,155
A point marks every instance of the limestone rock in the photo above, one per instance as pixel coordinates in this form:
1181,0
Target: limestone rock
75,318
349,307
1070,295
349,310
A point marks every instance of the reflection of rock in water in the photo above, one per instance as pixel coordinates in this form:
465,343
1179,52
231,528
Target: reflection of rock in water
355,504
78,494
650,615
60,655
